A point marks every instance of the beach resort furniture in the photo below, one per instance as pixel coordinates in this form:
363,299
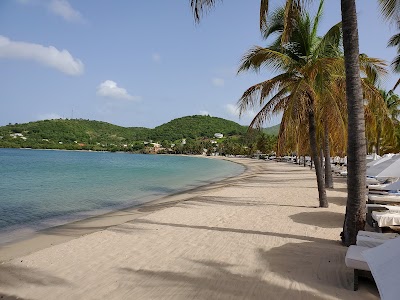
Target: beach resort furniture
388,198
384,186
388,218
372,239
371,181
356,261
384,263
383,215
385,167
381,263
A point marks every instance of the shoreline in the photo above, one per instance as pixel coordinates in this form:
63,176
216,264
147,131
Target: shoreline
259,235
58,234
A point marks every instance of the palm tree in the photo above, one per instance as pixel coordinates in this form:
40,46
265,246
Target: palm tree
291,11
305,62
355,207
390,9
356,149
384,120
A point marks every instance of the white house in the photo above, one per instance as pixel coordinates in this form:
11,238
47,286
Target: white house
219,135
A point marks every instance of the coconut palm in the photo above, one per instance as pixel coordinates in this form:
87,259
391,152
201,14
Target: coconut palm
291,11
304,62
390,9
385,117
355,207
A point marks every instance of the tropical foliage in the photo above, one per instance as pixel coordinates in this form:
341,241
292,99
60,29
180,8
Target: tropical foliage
197,131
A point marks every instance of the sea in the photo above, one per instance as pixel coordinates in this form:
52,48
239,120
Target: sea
40,189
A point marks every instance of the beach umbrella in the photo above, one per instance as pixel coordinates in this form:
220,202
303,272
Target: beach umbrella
388,168
395,186
380,160
371,158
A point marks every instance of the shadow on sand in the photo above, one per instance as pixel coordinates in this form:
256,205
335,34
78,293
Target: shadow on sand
324,219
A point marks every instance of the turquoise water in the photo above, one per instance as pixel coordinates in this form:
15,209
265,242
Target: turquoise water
40,188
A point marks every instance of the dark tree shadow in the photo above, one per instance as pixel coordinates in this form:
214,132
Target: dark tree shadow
214,281
324,219
341,201
10,297
325,266
239,201
234,230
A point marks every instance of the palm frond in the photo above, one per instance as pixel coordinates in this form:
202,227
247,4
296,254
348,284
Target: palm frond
258,57
256,94
199,7
390,9
329,44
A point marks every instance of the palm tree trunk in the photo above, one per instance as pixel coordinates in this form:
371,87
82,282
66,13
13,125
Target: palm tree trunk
378,141
328,169
356,151
321,159
323,201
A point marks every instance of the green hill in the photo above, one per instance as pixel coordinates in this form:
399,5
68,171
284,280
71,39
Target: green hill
76,133
95,135
197,126
273,130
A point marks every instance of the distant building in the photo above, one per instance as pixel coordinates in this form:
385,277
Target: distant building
219,135
183,141
15,135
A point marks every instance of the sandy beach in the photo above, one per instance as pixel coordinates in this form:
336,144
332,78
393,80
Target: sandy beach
259,235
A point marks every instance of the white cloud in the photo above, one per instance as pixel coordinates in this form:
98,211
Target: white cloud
49,56
219,82
204,113
233,110
63,9
156,57
50,116
110,89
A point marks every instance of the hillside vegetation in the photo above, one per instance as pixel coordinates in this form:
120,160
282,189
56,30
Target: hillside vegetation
193,127
79,134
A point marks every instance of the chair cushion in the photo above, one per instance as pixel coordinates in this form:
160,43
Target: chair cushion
354,259
386,218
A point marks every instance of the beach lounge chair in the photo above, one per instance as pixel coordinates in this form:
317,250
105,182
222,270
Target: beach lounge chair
388,198
378,207
380,263
356,261
384,263
388,218
372,239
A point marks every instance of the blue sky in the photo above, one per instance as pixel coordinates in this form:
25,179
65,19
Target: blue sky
140,63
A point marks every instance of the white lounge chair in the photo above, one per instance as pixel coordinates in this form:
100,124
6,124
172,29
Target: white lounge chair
386,199
372,239
356,261
384,263
386,218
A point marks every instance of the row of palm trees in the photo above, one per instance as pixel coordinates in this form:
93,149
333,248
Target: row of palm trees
320,92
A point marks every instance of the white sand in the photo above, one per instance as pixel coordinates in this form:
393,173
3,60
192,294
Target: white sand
257,236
